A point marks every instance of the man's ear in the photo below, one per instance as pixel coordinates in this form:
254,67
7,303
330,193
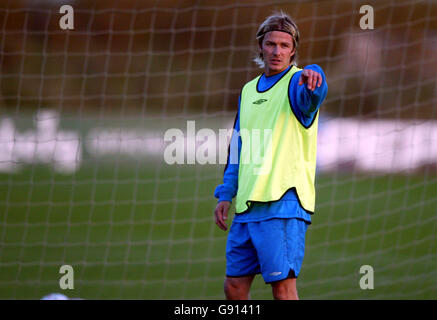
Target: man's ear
292,54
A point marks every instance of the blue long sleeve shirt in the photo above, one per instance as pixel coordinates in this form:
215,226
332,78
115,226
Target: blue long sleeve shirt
305,104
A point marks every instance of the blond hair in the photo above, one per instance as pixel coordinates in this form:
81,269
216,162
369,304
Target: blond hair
278,21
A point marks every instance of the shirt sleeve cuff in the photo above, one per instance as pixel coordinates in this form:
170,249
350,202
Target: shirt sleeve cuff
223,196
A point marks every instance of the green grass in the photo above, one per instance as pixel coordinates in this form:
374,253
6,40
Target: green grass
146,232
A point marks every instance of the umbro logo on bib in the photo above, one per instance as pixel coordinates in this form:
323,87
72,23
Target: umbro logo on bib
259,101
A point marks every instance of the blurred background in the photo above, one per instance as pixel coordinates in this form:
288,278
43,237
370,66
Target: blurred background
84,113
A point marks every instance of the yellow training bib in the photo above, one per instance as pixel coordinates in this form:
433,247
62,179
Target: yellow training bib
277,152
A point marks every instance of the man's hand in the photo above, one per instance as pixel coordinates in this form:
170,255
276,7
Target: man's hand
311,77
221,214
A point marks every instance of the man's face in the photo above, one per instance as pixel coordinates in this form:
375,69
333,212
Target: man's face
277,49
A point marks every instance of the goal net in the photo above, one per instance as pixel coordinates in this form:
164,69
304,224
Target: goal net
114,128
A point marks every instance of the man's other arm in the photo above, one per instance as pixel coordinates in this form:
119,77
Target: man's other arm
227,191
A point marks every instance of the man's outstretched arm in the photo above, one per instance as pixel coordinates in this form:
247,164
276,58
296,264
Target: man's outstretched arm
308,89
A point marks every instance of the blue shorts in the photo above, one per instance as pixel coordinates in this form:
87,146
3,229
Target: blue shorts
275,248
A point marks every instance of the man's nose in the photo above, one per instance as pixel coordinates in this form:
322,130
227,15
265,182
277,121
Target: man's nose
276,50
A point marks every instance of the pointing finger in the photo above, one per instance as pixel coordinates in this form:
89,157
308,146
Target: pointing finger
310,81
315,79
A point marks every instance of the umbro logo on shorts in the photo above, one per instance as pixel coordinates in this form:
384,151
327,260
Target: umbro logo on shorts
274,273
259,101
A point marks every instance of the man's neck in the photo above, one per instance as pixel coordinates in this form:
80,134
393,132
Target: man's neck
269,73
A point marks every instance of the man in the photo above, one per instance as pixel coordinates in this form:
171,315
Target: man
273,206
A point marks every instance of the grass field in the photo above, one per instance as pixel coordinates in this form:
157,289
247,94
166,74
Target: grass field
147,232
